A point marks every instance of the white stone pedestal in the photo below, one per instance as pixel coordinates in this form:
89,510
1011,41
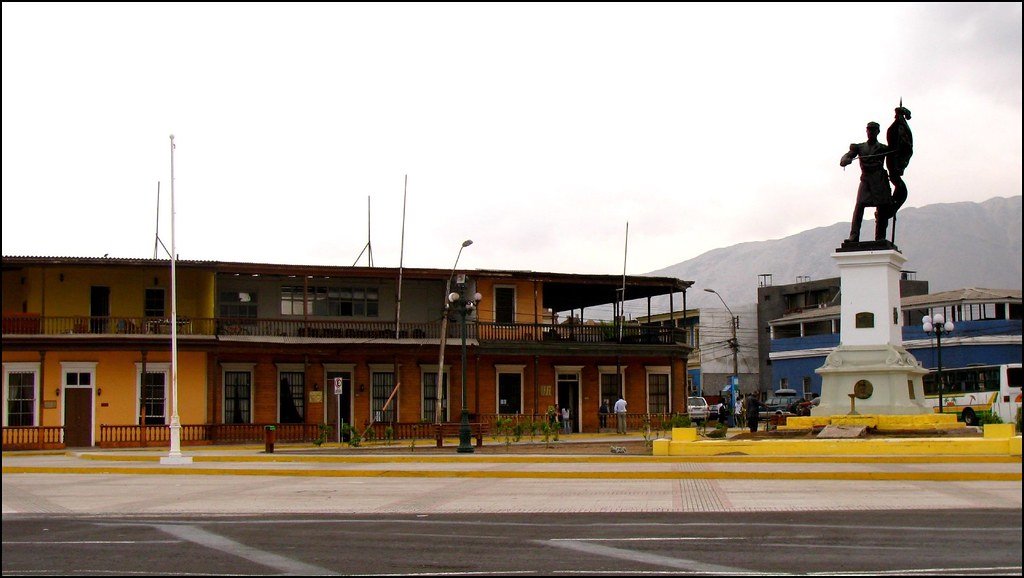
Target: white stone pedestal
870,362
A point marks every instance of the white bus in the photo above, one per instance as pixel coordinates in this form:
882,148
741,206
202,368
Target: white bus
975,390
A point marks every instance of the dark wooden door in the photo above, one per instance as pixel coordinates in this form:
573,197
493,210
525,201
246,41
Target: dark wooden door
77,417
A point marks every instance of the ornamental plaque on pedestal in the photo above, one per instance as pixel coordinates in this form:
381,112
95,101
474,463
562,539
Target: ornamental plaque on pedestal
870,363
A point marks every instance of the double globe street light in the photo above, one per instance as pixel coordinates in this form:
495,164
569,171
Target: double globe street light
938,326
464,305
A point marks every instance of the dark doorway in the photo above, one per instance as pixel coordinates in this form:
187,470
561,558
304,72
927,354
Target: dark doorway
77,417
510,392
99,308
568,396
339,414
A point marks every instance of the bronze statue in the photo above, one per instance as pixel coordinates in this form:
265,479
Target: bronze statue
874,188
901,148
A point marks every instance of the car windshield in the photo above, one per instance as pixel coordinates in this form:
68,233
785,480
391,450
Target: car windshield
698,401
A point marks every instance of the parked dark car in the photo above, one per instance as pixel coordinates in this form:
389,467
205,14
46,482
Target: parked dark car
779,401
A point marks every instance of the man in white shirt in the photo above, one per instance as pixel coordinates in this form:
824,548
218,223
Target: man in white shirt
620,416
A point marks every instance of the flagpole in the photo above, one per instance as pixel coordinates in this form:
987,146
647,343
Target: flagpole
174,455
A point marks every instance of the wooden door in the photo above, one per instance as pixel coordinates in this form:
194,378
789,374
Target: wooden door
77,417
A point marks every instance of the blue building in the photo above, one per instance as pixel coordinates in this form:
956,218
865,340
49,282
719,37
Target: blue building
987,331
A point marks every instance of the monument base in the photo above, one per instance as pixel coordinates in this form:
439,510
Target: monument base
871,379
878,422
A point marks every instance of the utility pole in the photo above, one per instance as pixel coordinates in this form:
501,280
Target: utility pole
734,381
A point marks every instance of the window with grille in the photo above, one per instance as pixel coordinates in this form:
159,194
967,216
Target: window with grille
657,393
237,397
154,397
21,398
430,394
382,383
610,387
154,303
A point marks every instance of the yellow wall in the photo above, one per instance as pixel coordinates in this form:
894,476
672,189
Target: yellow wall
116,377
16,294
70,296
528,310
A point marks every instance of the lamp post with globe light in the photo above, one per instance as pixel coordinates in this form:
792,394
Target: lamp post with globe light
464,305
937,325
444,334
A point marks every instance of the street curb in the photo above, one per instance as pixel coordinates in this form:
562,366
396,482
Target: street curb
719,475
544,459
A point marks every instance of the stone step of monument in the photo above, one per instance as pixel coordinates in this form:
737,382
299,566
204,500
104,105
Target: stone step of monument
834,432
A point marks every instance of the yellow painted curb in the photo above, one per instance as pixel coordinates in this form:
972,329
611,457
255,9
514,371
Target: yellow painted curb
849,476
719,458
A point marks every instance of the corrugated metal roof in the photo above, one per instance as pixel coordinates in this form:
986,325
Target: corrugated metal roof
562,291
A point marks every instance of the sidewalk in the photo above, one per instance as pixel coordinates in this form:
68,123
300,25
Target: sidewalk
401,459
301,479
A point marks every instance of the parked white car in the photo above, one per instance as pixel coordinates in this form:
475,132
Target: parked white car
698,408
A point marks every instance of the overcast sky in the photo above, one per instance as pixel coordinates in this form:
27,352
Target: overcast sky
538,131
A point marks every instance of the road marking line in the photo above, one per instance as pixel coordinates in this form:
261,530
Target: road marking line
228,546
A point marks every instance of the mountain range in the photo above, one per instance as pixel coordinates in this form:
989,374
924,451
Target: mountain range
950,245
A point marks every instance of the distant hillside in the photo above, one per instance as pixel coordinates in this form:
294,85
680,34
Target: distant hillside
950,245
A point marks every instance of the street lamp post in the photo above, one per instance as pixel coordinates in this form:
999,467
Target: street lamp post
444,334
937,325
464,306
734,381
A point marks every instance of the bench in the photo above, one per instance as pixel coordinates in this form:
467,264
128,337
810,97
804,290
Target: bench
450,429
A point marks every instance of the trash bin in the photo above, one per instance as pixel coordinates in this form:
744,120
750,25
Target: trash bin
270,438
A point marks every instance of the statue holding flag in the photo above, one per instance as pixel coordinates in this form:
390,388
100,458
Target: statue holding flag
875,157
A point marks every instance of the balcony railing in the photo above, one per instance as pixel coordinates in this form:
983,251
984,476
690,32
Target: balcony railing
27,324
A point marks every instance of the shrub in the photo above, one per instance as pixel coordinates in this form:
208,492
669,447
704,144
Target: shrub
323,432
680,420
985,417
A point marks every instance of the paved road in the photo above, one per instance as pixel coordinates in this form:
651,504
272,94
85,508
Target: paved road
868,542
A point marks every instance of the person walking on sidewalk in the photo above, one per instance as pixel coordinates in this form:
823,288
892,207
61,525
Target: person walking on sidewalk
566,425
620,416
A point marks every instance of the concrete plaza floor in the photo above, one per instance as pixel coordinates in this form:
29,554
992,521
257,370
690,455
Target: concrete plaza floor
304,479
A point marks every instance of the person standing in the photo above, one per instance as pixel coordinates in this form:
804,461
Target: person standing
566,425
620,416
603,413
753,412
